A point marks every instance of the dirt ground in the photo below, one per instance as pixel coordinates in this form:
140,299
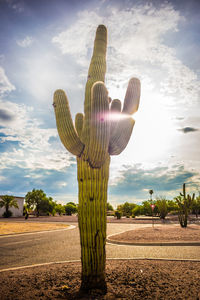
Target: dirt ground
14,227
165,233
126,279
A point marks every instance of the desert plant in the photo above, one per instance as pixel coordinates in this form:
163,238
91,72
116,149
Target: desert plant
184,205
161,204
118,214
102,130
7,202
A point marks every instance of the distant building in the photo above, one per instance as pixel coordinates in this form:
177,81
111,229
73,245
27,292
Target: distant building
16,212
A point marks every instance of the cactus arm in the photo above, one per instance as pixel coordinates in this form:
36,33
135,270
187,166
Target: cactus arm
115,110
132,97
65,125
96,73
100,125
121,136
79,119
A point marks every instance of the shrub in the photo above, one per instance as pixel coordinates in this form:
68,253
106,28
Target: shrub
118,214
161,204
7,214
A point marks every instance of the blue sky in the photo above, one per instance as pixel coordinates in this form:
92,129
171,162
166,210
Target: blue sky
47,44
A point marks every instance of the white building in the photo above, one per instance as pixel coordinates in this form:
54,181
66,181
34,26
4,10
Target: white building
16,212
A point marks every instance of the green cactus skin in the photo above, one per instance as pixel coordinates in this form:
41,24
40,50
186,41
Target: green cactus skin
93,139
184,203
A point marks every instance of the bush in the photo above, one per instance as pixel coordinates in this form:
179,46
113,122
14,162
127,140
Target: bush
126,208
161,204
7,214
137,211
118,214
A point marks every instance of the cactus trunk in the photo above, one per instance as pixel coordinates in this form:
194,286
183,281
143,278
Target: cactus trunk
93,184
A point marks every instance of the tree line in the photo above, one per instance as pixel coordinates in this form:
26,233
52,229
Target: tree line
182,205
37,203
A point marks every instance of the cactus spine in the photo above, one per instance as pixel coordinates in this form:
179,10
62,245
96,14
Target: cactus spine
184,203
93,139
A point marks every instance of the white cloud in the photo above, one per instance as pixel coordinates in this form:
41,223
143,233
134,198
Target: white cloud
78,39
26,42
34,149
136,47
5,84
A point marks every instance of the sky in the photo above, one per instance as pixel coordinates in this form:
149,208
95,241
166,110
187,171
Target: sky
47,45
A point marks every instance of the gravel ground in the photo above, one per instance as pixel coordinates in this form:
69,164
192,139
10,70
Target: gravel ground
126,279
167,233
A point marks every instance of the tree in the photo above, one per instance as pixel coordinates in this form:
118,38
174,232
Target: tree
37,201
94,138
151,193
7,202
137,211
161,204
146,208
184,206
196,206
172,206
70,208
126,208
109,207
60,209
47,206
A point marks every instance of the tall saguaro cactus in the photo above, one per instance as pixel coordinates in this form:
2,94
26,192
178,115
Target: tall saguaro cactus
103,130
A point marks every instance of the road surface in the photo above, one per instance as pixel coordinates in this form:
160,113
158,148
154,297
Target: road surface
38,248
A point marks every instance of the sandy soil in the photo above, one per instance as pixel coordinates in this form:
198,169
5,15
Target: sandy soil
126,279
166,233
12,227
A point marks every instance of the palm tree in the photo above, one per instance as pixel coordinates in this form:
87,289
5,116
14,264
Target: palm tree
7,202
151,192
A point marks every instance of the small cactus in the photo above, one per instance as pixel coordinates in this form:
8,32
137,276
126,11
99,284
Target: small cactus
184,203
93,139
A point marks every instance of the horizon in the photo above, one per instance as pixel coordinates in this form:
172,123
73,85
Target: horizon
46,46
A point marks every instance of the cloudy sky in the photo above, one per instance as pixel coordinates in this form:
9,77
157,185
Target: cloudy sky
47,44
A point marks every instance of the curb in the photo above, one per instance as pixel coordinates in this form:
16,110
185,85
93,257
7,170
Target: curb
113,242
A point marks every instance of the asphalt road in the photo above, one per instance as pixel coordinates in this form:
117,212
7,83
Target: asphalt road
38,248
